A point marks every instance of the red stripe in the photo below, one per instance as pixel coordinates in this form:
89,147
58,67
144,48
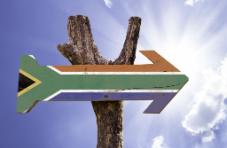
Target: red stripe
160,65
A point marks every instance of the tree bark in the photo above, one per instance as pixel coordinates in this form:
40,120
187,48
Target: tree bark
82,50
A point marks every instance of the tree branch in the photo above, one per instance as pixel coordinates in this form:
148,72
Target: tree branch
81,50
128,53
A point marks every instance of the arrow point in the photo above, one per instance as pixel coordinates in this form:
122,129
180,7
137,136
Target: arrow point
147,53
187,78
153,109
159,103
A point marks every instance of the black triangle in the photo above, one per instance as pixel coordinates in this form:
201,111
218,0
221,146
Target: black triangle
24,82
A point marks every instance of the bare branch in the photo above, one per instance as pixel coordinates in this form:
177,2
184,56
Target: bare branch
81,50
128,53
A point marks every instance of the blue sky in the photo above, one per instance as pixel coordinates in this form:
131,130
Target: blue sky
191,34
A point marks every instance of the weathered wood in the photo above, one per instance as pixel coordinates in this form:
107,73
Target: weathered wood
128,53
82,50
159,82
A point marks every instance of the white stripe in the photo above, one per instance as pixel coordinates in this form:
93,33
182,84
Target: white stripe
53,95
113,90
54,69
25,111
110,91
115,73
32,56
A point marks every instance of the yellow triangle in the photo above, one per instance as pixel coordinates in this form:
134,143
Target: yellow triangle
37,82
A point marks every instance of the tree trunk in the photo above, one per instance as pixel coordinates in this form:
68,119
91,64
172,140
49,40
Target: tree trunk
81,50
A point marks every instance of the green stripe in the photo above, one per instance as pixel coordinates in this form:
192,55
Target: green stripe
121,81
52,82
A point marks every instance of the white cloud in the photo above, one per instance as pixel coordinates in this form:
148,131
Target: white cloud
158,142
209,137
191,2
209,107
108,3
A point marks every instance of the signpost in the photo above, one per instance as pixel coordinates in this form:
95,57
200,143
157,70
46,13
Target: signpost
159,82
105,83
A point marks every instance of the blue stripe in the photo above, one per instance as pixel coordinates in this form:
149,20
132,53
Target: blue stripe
160,100
105,96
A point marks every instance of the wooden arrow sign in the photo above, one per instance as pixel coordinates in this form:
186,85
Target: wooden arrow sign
159,82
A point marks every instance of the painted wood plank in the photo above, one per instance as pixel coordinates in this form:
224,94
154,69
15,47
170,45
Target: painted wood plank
160,82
